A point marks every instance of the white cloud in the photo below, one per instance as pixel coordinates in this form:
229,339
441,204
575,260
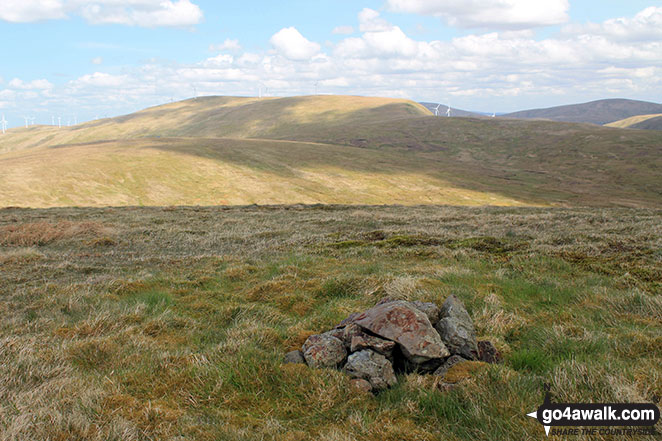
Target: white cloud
290,43
97,60
228,45
42,84
100,79
646,25
494,71
495,14
145,13
370,21
23,11
343,30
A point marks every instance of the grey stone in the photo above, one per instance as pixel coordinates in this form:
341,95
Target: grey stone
457,330
449,363
294,357
324,351
372,367
410,328
429,309
336,332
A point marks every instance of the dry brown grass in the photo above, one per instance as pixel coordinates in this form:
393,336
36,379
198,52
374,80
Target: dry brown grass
42,233
177,329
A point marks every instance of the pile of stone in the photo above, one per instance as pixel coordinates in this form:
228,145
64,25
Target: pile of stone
397,336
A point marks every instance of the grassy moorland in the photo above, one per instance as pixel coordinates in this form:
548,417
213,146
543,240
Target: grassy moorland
633,120
645,122
330,149
170,323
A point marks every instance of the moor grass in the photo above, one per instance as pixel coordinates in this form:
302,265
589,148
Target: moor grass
326,149
171,323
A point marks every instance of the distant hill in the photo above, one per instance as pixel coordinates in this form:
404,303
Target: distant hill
331,149
649,124
454,111
226,117
595,112
643,122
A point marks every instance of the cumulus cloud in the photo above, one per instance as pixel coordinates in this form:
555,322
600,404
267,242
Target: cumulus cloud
42,84
370,21
646,25
23,11
290,43
145,13
228,45
501,71
100,79
494,14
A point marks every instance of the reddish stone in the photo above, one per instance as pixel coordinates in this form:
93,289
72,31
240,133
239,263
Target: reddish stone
410,328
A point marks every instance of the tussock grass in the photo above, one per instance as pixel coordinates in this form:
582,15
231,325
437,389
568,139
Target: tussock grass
176,329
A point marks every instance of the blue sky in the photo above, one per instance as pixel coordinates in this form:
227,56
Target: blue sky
83,59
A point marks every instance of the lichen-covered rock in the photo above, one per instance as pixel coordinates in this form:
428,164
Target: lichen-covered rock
487,352
449,363
410,328
324,351
350,331
457,330
372,367
348,320
379,345
294,357
336,332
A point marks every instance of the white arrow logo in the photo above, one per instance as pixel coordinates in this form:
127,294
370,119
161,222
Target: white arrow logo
535,415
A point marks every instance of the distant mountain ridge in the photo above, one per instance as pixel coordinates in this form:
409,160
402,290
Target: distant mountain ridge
595,112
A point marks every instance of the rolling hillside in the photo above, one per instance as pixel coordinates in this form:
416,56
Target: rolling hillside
230,117
642,122
331,149
595,112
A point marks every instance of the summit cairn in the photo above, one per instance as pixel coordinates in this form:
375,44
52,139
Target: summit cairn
397,336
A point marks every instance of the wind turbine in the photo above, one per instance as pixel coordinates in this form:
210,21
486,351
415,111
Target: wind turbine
436,110
26,121
494,115
4,124
75,120
448,112
195,92
52,120
59,122
32,120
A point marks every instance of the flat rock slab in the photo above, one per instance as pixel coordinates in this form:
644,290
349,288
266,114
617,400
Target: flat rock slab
457,330
406,325
324,351
373,367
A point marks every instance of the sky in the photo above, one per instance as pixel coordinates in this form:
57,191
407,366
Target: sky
79,60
